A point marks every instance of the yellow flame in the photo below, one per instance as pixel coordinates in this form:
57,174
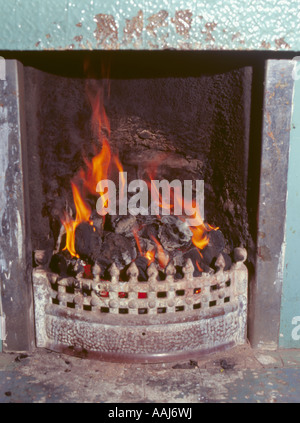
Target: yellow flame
83,212
149,255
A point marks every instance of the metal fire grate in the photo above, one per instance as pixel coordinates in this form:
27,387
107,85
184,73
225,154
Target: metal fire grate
142,321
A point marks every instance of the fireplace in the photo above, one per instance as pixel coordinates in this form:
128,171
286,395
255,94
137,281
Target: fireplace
186,298
199,121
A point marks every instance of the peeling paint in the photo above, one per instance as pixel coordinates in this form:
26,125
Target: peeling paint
158,20
209,28
265,45
78,38
152,25
133,29
19,235
183,22
282,44
158,30
106,32
280,269
235,36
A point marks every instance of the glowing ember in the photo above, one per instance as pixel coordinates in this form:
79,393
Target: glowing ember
198,266
88,271
149,255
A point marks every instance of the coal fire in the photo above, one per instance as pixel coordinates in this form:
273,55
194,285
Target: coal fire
143,221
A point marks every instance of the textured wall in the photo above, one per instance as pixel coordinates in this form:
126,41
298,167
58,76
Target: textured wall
144,24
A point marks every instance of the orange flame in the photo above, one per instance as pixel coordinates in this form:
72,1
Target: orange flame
137,240
162,257
70,227
151,172
83,213
199,267
149,255
200,238
96,170
83,210
121,170
197,263
158,197
99,117
96,95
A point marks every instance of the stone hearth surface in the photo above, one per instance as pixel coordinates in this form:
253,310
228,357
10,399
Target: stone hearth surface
241,375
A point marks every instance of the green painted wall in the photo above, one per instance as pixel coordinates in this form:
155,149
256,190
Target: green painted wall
290,305
150,24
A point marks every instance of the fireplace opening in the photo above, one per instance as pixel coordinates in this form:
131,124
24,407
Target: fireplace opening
141,287
181,122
